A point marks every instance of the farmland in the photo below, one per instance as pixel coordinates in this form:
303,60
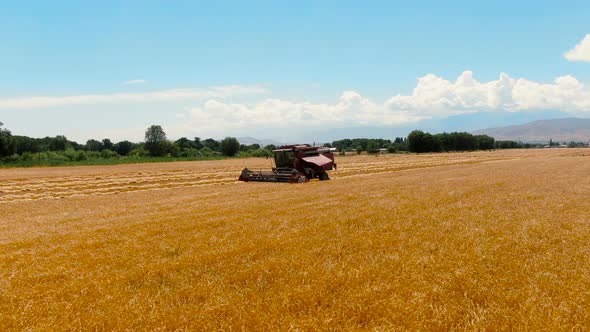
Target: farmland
482,240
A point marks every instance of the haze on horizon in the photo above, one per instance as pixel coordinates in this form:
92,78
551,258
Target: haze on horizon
282,70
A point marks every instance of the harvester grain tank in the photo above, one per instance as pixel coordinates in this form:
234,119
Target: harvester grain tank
295,164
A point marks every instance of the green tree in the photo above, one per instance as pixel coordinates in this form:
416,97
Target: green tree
123,148
197,143
7,142
93,145
58,143
372,146
107,144
155,141
27,144
230,146
212,144
485,142
184,143
244,148
416,141
419,141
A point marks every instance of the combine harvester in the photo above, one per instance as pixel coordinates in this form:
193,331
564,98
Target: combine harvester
295,164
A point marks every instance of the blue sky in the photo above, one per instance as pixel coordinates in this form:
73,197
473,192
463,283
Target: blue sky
301,63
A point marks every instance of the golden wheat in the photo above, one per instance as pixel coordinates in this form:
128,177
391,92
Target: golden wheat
484,240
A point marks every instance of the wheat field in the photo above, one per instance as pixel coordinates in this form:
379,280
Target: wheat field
485,240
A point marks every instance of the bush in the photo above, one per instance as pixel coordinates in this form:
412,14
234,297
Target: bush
106,153
261,153
55,157
82,155
243,154
71,154
13,158
138,153
189,152
27,156
206,152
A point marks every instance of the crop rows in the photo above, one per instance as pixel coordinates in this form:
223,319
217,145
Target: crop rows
460,241
14,190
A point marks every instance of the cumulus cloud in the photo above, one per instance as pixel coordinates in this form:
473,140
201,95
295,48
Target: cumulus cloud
216,116
250,110
432,97
580,52
435,96
135,82
138,97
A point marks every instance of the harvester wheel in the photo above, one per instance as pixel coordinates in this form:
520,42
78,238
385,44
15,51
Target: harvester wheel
296,177
324,176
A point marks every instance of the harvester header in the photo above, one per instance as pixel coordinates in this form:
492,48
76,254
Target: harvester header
294,164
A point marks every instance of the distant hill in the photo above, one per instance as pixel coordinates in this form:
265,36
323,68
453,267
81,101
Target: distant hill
463,122
541,131
261,142
485,120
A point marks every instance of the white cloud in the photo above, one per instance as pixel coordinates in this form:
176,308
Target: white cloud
135,82
216,117
580,52
243,110
433,96
138,97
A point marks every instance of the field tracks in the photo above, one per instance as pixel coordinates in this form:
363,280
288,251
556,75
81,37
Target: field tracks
57,187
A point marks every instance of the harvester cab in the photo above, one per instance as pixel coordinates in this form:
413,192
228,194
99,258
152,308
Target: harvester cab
295,163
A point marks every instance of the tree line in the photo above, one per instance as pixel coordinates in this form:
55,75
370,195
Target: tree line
419,141
60,150
371,145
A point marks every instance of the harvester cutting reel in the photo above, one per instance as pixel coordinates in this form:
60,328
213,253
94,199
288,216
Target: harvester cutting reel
277,175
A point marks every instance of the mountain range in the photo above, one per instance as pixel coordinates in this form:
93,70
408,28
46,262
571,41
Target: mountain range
541,131
534,127
262,142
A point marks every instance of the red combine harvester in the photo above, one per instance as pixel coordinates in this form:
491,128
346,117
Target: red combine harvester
295,164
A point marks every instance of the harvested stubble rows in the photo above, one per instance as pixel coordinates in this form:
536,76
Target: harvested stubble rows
495,240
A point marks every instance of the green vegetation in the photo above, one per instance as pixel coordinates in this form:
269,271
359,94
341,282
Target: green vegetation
371,145
7,143
419,141
59,159
23,151
155,141
230,146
